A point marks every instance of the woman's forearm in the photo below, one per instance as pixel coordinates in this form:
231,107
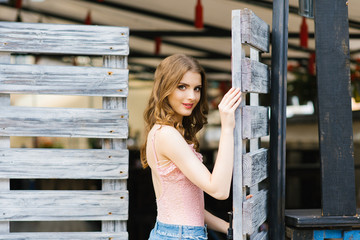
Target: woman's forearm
215,223
222,171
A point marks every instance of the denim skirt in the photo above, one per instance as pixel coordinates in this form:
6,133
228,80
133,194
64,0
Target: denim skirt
163,231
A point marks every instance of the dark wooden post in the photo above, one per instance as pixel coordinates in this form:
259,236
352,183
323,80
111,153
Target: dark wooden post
278,118
334,104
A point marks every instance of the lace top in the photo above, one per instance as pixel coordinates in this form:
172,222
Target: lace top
181,202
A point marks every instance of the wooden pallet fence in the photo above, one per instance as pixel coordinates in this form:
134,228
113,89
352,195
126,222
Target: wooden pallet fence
23,163
63,39
250,194
38,79
109,164
66,122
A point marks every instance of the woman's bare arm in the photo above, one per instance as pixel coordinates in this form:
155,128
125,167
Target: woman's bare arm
215,223
172,146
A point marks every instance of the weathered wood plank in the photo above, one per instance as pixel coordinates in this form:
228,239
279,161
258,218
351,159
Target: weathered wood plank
255,211
335,117
65,80
23,163
63,122
255,121
63,205
114,103
4,142
255,167
239,143
63,39
254,101
261,236
64,236
254,30
255,76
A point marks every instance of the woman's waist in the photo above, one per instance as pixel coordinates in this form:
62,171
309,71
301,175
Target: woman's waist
176,230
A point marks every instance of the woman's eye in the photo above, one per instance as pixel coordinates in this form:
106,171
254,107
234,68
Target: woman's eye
198,89
181,87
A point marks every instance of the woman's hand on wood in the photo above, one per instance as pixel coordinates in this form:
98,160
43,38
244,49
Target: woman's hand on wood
227,107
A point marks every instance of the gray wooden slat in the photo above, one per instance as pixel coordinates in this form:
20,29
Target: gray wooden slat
114,103
255,76
254,30
23,163
4,142
63,39
65,80
255,121
64,236
254,99
63,205
254,211
255,167
63,122
239,143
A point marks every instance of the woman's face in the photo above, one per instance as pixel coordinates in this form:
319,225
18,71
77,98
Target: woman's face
186,95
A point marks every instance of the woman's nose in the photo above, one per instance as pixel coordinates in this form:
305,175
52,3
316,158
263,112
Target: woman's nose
191,94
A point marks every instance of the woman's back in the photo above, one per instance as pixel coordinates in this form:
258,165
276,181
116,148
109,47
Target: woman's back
179,201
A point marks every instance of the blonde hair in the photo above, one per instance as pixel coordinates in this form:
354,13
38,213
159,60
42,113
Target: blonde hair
168,74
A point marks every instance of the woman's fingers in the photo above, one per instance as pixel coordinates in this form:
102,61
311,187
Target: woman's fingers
231,98
237,101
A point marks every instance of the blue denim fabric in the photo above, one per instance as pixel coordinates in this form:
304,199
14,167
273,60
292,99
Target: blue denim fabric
163,231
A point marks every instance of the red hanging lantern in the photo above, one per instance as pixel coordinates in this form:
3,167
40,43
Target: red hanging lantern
311,64
158,41
304,35
18,4
88,18
199,22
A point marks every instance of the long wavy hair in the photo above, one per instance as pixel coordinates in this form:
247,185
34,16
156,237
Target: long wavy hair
168,75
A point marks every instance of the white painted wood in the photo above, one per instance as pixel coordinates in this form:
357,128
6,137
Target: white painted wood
255,122
255,209
63,39
255,76
64,236
65,80
117,144
63,122
255,167
4,143
63,205
21,163
239,143
255,31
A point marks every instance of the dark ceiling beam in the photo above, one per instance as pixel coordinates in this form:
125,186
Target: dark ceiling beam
213,56
204,33
312,35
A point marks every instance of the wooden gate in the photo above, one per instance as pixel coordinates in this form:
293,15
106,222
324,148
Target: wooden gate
250,192
110,164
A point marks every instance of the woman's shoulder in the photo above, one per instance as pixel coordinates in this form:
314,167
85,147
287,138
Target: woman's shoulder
166,133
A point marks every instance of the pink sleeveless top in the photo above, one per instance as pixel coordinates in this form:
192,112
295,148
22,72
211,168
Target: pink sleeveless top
181,202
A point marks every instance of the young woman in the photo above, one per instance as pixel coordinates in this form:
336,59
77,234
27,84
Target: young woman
175,113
